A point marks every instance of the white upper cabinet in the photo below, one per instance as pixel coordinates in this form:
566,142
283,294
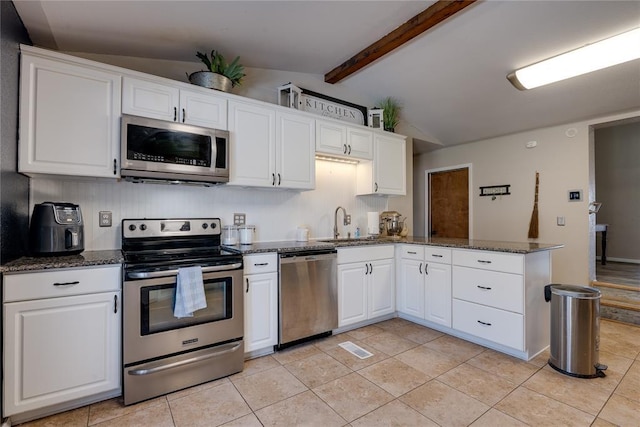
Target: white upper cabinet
336,139
69,116
386,174
295,151
269,148
156,100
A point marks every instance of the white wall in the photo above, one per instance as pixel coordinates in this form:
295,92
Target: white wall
562,158
275,213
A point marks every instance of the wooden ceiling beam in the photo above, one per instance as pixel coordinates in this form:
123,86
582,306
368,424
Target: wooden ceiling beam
433,15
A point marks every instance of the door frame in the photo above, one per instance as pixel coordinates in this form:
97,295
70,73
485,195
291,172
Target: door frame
427,212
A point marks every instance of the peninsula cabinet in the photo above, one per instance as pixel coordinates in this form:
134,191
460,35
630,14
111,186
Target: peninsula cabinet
366,285
69,116
497,298
61,339
260,303
157,100
424,290
337,139
386,174
271,148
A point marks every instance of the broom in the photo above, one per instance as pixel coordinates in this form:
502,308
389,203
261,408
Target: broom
533,225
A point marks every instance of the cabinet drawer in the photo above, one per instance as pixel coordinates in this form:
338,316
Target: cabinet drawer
261,263
412,252
491,288
507,263
63,282
434,254
365,253
499,326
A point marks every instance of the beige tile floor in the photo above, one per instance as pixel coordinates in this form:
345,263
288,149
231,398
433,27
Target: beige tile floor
417,377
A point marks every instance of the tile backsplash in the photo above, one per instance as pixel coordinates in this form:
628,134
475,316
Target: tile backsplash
275,213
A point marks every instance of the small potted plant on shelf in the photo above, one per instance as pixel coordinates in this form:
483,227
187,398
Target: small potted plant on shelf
390,117
219,75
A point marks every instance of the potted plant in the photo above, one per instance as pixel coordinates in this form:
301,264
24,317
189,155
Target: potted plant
391,112
219,75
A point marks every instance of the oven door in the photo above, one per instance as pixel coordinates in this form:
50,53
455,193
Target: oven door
150,329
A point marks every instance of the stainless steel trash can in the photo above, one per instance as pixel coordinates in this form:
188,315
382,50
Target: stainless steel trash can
575,330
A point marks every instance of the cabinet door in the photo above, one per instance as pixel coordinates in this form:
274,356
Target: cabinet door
390,165
203,109
331,138
381,288
60,349
252,145
411,288
352,296
260,311
360,143
295,151
437,284
69,119
150,99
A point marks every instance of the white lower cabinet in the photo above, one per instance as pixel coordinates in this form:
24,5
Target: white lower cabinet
424,290
498,297
260,302
61,337
366,283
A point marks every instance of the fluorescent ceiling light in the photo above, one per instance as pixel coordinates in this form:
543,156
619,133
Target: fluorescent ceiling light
596,56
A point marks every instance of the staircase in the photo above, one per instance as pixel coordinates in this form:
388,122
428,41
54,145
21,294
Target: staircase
619,302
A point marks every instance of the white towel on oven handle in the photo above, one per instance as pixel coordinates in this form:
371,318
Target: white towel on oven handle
189,292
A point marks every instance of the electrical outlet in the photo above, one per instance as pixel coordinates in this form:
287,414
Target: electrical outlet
104,218
239,219
347,219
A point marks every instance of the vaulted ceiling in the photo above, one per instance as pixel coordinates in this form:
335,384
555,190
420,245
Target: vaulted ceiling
451,79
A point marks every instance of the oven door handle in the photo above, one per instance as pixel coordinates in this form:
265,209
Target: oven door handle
152,274
230,349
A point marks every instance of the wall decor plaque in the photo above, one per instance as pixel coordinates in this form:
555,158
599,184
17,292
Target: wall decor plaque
292,96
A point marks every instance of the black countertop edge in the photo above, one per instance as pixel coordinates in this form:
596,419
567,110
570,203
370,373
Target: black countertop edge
84,259
485,245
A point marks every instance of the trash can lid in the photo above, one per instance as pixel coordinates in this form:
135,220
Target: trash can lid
575,291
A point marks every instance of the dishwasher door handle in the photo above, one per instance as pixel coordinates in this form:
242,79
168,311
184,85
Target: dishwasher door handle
289,259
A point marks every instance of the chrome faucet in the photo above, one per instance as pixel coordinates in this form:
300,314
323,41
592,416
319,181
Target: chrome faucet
347,221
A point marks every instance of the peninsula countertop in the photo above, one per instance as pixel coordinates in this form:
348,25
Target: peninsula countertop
484,245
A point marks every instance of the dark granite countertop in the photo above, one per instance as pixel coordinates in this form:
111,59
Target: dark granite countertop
85,259
485,245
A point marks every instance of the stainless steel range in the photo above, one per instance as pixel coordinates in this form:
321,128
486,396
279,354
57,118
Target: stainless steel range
163,353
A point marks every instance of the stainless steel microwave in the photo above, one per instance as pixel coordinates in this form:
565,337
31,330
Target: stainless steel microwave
157,150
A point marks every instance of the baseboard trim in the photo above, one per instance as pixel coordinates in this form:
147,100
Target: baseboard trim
626,260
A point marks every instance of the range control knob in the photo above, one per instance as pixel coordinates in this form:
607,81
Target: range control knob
143,227
204,225
213,225
132,227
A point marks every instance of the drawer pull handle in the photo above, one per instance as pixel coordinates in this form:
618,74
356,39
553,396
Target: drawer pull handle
247,291
67,283
484,288
436,256
261,264
412,253
484,323
115,304
482,261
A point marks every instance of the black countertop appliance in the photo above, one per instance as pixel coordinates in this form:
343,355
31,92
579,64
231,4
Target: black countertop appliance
56,229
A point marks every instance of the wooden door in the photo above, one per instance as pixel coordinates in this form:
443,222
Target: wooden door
449,204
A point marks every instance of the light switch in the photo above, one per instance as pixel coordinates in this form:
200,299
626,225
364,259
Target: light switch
560,220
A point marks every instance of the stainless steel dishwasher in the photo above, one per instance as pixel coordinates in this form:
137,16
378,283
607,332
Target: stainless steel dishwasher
308,295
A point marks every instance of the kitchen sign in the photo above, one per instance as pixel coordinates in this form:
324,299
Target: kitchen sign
322,105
